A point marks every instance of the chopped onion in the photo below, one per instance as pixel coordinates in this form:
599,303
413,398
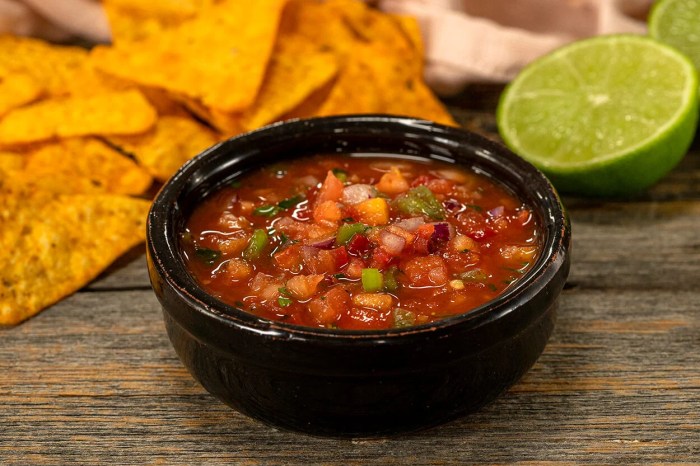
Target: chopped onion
453,175
325,243
496,211
309,180
308,253
356,193
393,244
443,231
453,205
410,224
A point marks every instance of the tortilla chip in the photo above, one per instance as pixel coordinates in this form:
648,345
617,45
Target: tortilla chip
82,166
54,245
111,113
328,28
12,161
172,142
58,70
294,61
411,29
135,19
418,101
48,65
163,102
354,91
17,89
218,57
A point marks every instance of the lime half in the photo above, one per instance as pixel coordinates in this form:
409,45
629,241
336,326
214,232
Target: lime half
607,116
677,23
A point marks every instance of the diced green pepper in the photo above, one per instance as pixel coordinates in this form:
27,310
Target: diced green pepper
390,283
347,231
403,318
372,280
420,201
257,243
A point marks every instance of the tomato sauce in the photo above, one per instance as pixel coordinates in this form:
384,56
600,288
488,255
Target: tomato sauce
360,242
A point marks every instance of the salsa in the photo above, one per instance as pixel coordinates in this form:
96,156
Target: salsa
360,242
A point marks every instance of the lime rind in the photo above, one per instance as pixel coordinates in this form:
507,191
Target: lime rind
677,23
661,126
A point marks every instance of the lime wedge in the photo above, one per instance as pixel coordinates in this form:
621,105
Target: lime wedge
677,23
607,116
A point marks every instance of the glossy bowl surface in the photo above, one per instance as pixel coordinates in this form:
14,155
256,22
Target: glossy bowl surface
354,383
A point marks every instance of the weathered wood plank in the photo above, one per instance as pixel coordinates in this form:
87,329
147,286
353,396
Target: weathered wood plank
94,380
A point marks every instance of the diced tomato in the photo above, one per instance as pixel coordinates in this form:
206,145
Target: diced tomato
238,269
361,318
380,259
288,258
421,180
319,261
355,267
393,182
303,286
329,307
358,245
440,186
421,241
372,211
331,189
474,225
376,301
426,271
340,256
324,261
327,211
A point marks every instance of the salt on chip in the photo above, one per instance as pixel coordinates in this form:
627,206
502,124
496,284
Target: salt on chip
54,245
295,61
218,57
126,112
82,166
172,142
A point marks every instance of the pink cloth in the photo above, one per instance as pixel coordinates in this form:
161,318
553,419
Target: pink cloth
478,40
465,40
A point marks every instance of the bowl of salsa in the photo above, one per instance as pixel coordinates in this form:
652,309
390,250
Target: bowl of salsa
358,275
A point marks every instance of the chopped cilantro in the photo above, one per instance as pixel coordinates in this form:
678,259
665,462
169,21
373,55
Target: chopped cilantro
268,210
206,255
341,174
284,301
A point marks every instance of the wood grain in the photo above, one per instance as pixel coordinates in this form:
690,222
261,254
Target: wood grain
93,380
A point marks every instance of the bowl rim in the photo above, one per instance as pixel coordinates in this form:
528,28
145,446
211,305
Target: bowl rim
164,250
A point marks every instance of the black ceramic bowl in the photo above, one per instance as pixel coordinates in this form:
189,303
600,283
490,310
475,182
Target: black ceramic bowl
355,383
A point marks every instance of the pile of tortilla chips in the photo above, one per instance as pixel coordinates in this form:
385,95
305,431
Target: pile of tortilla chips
84,133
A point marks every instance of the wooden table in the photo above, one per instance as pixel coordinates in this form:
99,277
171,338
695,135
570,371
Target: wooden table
94,379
